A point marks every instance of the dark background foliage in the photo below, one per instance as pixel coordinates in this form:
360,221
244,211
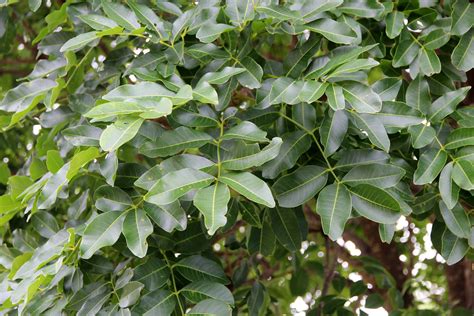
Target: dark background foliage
236,157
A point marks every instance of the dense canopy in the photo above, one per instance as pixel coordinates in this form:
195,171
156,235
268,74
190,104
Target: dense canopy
238,157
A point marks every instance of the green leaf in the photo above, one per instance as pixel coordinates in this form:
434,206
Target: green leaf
45,68
247,131
4,173
298,187
249,186
79,42
374,128
175,184
456,220
197,268
460,137
375,204
337,32
54,161
334,205
201,290
387,88
394,24
298,59
157,302
82,135
240,11
205,93
108,168
429,62
374,301
448,190
154,274
332,131
364,9
353,66
421,135
399,115
446,104
305,114
109,199
335,96
119,133
357,157
212,203
262,240
22,96
258,300
146,109
386,232
463,174
98,22
130,294
244,156
464,49
222,76
81,159
286,228
430,164
278,12
168,217
120,14
148,17
252,77
104,230
435,39
136,228
405,53
172,142
451,247
209,32
211,307
462,17
418,95
34,5
379,175
141,90
362,98
294,145
45,224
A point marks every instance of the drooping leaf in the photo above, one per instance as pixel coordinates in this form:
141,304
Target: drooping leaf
298,187
249,186
286,228
172,142
456,220
448,189
212,203
379,175
430,164
375,204
104,230
136,228
119,133
334,205
196,268
294,145
175,184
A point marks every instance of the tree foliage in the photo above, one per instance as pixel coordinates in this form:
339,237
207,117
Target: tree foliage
204,157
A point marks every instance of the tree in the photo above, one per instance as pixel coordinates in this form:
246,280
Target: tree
240,156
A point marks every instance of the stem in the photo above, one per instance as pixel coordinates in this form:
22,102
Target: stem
311,133
78,65
173,281
221,126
